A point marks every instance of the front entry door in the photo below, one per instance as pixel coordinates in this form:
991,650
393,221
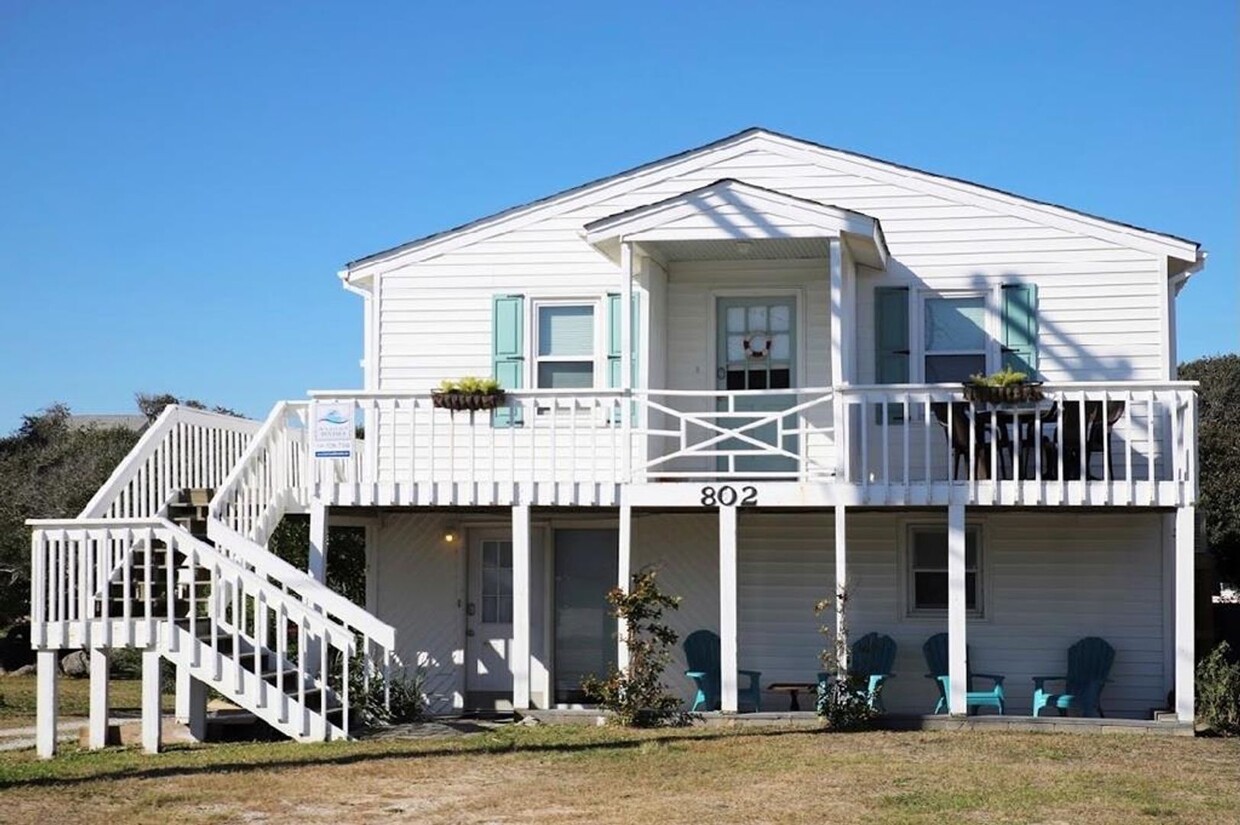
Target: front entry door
488,622
586,566
757,351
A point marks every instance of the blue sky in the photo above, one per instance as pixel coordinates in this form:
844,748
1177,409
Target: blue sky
180,182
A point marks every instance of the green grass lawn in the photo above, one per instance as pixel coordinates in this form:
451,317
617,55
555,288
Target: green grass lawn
564,774
17,698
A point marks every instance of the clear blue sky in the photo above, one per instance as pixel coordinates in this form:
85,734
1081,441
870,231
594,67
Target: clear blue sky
180,182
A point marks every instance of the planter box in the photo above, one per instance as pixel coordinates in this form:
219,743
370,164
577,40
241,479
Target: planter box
471,401
1011,394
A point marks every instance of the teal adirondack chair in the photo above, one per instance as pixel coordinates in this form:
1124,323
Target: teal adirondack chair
871,658
1089,664
702,654
935,650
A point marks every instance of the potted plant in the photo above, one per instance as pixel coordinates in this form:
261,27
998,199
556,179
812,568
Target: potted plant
468,393
1007,386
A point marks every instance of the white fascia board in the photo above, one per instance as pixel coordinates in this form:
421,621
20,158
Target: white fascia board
981,196
514,219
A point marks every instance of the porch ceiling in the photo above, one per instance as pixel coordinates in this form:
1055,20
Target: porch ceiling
762,249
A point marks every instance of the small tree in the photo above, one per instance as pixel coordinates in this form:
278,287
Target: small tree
843,700
637,695
1218,691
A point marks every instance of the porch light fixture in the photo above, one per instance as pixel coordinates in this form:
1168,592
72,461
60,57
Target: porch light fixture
450,534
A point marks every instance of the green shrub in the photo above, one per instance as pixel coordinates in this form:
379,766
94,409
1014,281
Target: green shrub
471,385
1218,691
843,700
637,696
406,702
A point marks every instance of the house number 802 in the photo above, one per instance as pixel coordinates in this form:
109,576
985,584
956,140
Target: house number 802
729,496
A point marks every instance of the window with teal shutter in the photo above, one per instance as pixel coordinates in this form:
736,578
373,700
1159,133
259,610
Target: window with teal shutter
1020,328
508,351
891,340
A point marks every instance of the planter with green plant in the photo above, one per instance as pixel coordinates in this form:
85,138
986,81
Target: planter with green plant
468,393
1007,386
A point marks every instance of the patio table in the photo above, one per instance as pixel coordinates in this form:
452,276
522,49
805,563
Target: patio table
793,689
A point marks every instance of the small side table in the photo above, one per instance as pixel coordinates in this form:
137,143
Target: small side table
793,689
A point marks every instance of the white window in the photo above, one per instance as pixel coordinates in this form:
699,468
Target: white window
955,343
927,570
565,345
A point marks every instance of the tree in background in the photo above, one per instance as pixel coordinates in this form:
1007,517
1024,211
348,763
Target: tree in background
48,469
1218,447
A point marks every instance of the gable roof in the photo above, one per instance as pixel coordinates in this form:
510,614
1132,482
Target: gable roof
1172,245
732,203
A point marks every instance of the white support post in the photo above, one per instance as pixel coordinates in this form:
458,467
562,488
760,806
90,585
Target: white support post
521,607
317,564
841,589
957,667
45,724
1185,631
100,701
191,703
626,356
729,660
837,312
624,569
151,720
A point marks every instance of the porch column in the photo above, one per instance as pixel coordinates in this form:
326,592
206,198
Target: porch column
728,658
624,568
1185,630
521,607
626,356
837,311
151,714
317,563
48,667
841,589
957,667
100,706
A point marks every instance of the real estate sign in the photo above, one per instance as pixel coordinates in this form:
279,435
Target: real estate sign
333,430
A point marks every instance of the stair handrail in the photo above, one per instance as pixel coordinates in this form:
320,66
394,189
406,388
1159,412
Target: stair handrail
248,550
337,633
158,465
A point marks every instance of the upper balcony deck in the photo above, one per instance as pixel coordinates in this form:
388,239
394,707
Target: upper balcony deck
1083,444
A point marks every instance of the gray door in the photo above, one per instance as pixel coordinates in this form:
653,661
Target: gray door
757,351
585,633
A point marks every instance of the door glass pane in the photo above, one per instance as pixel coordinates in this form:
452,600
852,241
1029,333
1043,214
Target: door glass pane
736,319
954,324
556,375
781,318
781,379
585,632
497,582
757,319
566,330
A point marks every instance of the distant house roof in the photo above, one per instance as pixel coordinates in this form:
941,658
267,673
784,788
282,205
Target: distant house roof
1189,249
123,421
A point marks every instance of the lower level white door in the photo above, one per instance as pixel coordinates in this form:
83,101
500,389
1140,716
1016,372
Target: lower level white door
488,621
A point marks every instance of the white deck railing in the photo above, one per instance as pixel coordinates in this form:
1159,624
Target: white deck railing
1112,443
590,437
1107,443
183,448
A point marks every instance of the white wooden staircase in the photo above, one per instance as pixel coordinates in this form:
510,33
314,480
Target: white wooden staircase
144,566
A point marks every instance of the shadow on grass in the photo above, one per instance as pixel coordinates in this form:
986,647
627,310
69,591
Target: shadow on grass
298,758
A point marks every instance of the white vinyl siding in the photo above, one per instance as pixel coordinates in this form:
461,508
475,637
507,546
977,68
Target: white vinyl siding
1051,578
1099,303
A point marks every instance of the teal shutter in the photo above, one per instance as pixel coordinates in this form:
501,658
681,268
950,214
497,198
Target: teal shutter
891,350
614,339
1020,328
508,351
